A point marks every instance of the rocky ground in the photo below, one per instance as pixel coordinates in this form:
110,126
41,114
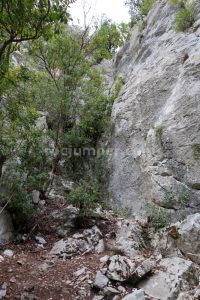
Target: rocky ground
115,258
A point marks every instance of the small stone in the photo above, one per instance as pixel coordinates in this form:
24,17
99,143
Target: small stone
42,202
100,248
8,253
3,289
90,282
1,258
97,297
40,240
121,289
20,262
80,272
110,291
104,259
100,280
13,280
35,196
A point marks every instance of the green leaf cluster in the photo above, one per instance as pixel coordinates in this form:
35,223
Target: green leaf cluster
184,17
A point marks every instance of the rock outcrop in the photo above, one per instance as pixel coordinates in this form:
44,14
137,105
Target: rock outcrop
175,275
155,144
6,227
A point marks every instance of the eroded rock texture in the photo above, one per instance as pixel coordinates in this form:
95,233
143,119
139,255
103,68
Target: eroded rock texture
155,145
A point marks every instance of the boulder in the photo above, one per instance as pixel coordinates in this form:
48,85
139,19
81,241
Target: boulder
129,238
136,295
6,227
188,232
145,268
64,220
118,268
180,239
79,243
101,281
175,275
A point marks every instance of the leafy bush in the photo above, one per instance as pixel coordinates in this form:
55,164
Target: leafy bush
159,134
169,198
86,198
184,17
107,38
184,197
146,6
15,194
158,216
123,212
196,151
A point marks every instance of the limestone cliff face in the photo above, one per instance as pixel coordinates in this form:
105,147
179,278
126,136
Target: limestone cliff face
155,144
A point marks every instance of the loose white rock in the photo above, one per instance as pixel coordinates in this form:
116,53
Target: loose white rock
100,280
8,253
136,295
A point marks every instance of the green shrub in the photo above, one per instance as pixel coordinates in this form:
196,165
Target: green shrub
146,6
159,133
125,212
175,2
184,17
196,151
86,198
169,198
14,186
184,197
158,216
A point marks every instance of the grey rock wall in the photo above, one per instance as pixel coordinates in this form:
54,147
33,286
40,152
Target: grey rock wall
155,143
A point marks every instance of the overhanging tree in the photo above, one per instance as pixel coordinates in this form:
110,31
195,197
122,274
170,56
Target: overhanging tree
23,20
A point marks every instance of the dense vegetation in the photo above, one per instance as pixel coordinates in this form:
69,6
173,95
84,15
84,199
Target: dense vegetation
138,9
184,16
48,66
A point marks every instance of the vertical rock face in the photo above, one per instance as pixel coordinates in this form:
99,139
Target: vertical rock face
155,144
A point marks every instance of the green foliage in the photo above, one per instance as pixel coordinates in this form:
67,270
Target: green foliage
17,26
15,189
169,198
175,2
22,145
184,197
62,82
196,151
122,212
146,6
94,116
159,134
138,9
86,198
158,216
134,10
184,16
106,40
